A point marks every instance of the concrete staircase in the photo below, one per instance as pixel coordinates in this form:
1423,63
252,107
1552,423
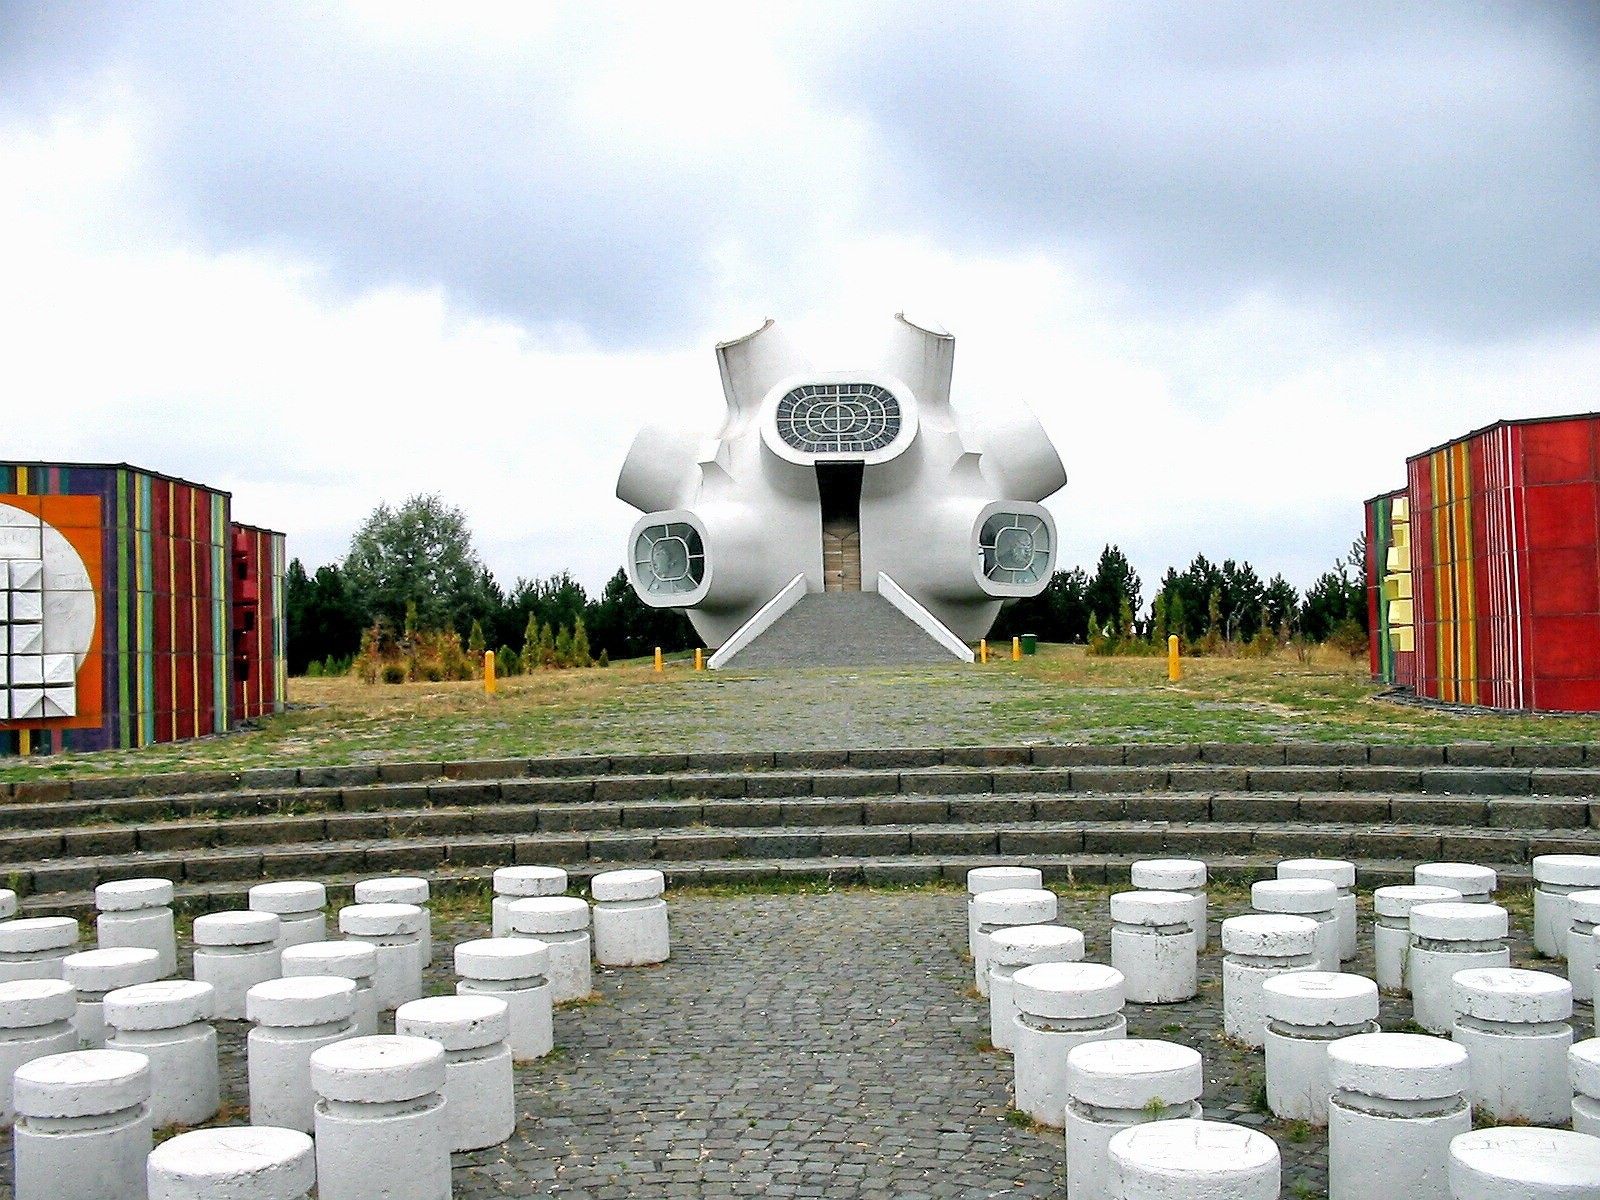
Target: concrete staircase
1081,813
841,629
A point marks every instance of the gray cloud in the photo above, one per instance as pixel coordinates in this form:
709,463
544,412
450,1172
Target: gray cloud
448,162
1432,168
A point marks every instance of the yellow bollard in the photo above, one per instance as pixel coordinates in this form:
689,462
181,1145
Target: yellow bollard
1016,649
983,650
699,659
488,673
1174,667
660,666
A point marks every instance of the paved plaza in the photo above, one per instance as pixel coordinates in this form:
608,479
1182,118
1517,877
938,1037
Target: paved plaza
813,1045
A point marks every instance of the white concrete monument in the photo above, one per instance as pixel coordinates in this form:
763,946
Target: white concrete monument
862,480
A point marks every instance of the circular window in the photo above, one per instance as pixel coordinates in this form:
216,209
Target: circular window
838,418
1015,548
669,559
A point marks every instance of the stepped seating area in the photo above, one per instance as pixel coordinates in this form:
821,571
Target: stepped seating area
1082,813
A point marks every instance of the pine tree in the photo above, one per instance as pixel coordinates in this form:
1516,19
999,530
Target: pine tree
564,647
580,646
476,647
530,646
1158,619
547,646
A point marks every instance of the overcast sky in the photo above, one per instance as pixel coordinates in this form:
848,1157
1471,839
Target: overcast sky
1240,258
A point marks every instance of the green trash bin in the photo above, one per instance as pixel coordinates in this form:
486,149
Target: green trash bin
1030,643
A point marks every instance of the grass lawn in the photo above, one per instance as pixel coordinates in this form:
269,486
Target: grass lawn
1058,696
1062,695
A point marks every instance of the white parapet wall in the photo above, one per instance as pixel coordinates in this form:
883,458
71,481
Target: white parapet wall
766,616
930,624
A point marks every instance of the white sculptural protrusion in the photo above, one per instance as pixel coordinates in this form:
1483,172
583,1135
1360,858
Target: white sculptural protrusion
948,508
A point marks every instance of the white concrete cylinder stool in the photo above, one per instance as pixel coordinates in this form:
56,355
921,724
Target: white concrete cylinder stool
35,1021
1114,1085
394,931
1476,884
480,1109
995,879
1555,877
518,883
402,889
1446,938
1009,951
234,951
137,914
169,1022
293,1018
1194,1160
1305,1014
8,904
1005,908
355,961
245,1162
380,1120
1391,929
1153,945
562,923
1524,1164
93,973
517,971
1583,1069
1059,1006
1185,875
83,1126
1397,1100
1513,1026
298,905
630,918
1258,947
1583,909
1314,898
33,947
1342,875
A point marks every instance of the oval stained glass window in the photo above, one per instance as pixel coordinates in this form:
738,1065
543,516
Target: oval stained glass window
838,418
1015,548
669,559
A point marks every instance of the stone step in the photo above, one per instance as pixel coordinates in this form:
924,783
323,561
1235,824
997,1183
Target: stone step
322,778
1203,839
1200,778
910,869
1257,809
841,628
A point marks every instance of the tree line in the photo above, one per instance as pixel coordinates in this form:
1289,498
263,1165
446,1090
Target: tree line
412,596
1208,605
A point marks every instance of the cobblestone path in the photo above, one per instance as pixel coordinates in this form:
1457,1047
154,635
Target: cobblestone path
814,1046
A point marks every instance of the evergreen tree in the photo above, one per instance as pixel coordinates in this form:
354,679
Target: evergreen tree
580,645
476,645
564,647
530,645
1114,580
547,646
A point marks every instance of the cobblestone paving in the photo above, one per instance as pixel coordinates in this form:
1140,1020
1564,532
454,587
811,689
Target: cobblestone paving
810,1046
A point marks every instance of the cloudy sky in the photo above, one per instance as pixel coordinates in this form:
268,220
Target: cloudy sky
1240,258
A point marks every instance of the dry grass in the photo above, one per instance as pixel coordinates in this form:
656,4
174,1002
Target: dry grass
1060,695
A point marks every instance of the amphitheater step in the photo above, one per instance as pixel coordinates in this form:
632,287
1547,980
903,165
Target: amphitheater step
1058,869
391,850
1498,785
1558,767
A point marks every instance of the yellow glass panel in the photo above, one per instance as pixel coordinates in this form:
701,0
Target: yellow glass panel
1399,559
1399,612
1401,535
1401,639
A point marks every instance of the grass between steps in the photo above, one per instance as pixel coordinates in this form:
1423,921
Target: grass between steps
1060,695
